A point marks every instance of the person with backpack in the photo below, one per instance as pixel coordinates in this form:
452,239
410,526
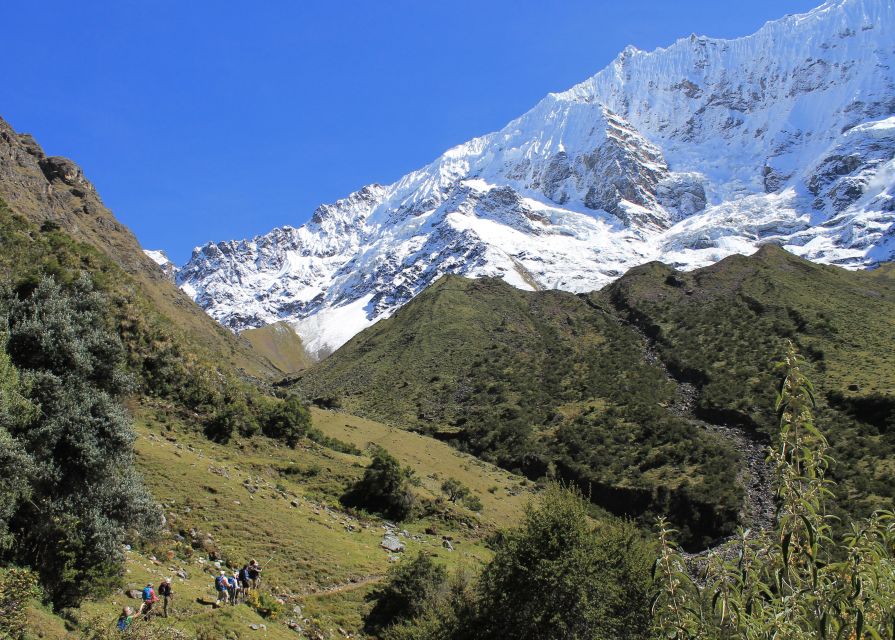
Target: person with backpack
167,593
244,579
254,572
125,619
149,599
232,588
221,588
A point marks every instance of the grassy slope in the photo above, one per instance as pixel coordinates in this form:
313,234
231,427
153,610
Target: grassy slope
480,362
532,381
292,523
279,343
722,325
72,203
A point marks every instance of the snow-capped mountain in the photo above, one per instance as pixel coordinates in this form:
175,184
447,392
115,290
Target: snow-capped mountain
684,154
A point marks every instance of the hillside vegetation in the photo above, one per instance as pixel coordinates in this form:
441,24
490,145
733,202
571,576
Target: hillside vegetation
717,327
593,388
280,345
542,384
53,191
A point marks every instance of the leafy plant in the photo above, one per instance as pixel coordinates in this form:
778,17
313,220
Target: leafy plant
454,489
406,592
85,494
798,581
17,588
384,488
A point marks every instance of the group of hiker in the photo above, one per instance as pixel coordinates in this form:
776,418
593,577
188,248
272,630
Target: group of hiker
229,589
149,596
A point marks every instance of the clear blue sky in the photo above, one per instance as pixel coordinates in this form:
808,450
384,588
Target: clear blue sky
202,120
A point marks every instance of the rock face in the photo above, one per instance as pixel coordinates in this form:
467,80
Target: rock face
684,154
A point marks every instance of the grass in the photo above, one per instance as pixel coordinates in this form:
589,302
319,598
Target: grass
315,554
279,343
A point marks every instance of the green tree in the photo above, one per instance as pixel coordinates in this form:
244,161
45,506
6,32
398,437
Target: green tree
559,576
406,592
85,492
16,466
287,420
384,488
454,489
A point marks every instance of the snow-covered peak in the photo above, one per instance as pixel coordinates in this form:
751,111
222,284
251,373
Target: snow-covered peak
684,154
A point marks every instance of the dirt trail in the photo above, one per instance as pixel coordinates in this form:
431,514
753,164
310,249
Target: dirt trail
348,586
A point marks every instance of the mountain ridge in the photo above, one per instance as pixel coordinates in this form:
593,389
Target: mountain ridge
686,154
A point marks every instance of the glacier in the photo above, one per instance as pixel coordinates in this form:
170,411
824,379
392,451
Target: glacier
685,154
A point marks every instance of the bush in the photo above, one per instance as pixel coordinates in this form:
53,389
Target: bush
472,503
383,489
85,492
560,577
454,489
287,420
17,588
406,592
557,577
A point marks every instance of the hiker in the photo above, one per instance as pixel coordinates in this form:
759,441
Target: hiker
254,574
220,587
244,582
233,588
167,593
149,599
125,619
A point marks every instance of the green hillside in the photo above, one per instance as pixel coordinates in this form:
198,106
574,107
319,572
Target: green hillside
53,192
280,345
543,384
718,327
596,388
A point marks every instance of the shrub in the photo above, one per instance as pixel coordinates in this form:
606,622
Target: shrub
17,588
797,581
85,492
407,590
560,577
384,488
287,420
472,503
454,489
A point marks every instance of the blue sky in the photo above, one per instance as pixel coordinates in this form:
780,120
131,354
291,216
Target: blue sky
204,121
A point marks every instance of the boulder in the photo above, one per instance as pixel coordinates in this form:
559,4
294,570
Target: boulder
391,543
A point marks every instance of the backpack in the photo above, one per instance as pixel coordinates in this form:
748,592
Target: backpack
149,594
243,575
123,623
219,583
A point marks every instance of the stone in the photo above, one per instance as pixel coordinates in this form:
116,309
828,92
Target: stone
391,543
